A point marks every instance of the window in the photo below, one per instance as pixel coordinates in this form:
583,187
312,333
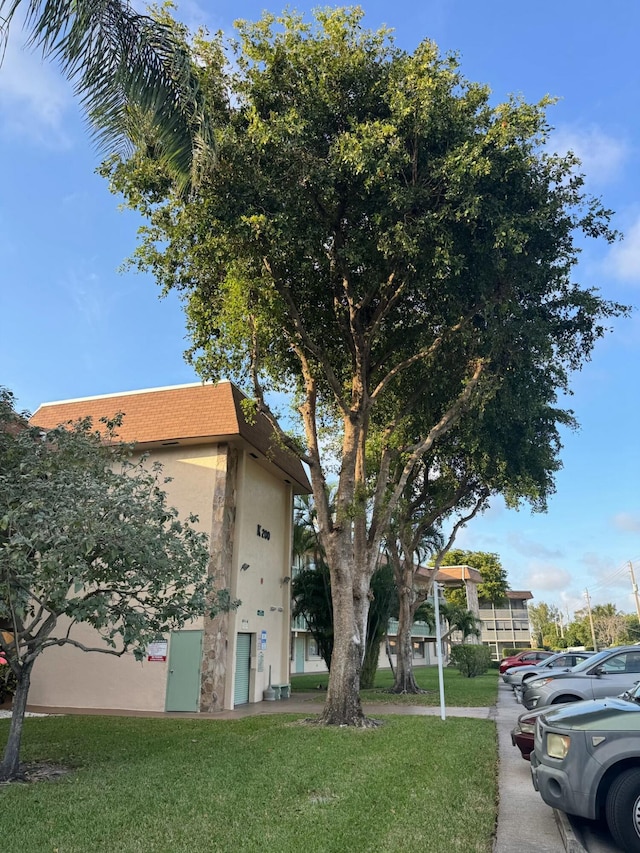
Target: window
313,652
418,648
615,664
393,647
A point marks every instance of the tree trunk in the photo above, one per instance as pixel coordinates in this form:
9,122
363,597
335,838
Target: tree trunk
10,765
404,678
343,706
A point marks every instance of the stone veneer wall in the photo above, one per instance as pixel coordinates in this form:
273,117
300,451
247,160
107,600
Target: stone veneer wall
216,631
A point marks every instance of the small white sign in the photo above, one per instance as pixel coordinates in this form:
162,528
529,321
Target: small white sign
157,651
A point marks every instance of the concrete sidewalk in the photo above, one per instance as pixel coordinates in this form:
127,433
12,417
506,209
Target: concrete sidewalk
525,822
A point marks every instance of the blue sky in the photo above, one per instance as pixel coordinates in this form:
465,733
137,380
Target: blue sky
71,325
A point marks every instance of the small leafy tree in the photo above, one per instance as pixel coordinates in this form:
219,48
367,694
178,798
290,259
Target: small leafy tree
543,619
86,536
471,660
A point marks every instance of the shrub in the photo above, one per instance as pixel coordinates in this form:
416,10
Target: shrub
471,660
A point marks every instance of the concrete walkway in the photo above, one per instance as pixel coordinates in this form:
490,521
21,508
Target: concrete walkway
525,823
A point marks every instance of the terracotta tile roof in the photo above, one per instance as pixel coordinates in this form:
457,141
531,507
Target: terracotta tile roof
182,413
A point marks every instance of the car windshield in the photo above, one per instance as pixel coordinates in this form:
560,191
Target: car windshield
553,659
587,663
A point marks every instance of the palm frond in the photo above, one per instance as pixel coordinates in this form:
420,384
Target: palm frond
123,64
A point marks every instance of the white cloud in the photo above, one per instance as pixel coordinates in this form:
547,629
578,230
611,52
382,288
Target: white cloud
602,156
627,521
34,97
548,578
624,257
529,548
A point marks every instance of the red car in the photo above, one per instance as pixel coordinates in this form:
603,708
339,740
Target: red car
523,732
525,658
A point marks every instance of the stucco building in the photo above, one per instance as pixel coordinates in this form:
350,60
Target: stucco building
231,473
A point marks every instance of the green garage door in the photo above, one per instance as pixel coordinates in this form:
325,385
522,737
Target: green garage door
243,664
183,680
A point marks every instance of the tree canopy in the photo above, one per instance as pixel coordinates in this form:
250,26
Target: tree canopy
495,582
87,536
375,237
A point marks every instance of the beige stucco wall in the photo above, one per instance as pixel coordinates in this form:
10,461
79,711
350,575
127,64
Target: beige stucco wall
264,504
68,677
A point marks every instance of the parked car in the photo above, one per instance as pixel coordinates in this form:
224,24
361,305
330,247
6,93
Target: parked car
526,656
586,762
560,662
607,673
522,734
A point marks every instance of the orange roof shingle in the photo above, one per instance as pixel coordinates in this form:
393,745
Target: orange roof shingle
182,413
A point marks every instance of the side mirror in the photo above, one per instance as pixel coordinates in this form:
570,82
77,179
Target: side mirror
597,671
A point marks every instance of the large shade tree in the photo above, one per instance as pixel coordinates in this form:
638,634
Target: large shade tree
87,538
374,233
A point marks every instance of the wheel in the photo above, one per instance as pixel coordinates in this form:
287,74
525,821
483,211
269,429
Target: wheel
564,700
623,810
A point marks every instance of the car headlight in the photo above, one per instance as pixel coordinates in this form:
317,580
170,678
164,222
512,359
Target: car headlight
558,745
528,726
539,682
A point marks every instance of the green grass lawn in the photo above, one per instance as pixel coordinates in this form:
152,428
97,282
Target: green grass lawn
459,691
258,784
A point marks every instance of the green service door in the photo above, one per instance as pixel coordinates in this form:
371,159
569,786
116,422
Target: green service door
243,668
183,679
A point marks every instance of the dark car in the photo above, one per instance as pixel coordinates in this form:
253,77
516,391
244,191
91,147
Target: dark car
586,762
525,657
522,734
607,673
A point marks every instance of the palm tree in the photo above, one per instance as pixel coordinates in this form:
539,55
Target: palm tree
462,620
123,65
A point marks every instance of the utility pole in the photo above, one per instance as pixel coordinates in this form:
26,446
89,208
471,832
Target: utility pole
634,587
593,633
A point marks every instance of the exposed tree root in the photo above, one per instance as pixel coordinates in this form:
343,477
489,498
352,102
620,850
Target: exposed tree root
41,771
407,691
